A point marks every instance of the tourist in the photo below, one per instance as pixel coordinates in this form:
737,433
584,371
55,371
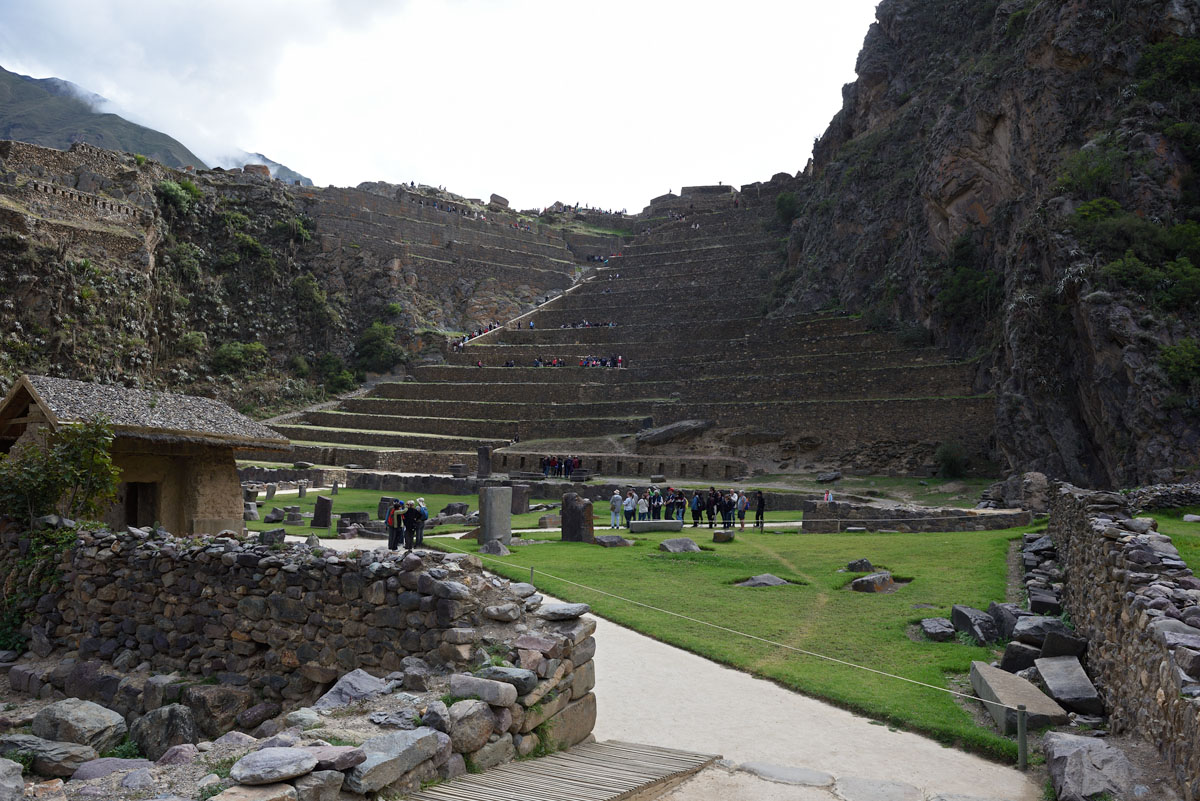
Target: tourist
760,508
614,507
710,506
643,507
412,518
697,507
394,525
421,523
656,505
628,505
743,504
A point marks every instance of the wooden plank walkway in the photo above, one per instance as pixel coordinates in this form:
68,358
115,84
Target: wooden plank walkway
608,771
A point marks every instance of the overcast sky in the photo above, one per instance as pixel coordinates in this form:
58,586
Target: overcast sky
605,103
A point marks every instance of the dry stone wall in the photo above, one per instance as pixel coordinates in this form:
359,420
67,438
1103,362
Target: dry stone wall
835,516
1137,603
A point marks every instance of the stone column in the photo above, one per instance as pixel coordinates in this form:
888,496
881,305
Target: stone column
323,512
495,514
484,468
577,519
520,498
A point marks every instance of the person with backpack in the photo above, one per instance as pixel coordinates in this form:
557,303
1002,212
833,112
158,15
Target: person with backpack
760,507
421,523
629,505
697,508
394,525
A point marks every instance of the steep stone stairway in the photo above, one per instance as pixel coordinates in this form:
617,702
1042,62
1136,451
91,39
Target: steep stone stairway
682,306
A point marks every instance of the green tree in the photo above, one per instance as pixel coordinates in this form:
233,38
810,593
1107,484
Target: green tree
376,349
786,208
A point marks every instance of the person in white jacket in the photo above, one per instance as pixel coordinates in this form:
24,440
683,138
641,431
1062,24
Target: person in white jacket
614,508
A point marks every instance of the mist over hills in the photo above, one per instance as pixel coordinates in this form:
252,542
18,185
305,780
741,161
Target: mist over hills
55,113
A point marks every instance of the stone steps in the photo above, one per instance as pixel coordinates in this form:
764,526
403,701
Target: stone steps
723,327
634,350
462,427
385,440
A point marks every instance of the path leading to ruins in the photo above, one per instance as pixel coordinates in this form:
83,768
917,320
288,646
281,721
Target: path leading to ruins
657,694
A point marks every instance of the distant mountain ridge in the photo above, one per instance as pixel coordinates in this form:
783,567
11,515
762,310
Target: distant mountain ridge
55,113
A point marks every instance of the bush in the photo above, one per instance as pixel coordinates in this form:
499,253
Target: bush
235,358
174,196
294,229
235,219
332,372
73,473
1181,363
393,310
786,208
299,366
192,343
376,349
1170,69
1091,171
250,246
951,459
192,190
139,159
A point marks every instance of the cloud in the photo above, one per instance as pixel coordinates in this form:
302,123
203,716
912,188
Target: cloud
608,104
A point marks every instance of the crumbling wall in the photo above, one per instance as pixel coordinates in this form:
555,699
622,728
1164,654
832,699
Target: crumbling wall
1134,599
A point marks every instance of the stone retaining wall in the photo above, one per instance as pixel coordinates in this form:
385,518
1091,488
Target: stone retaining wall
834,516
1131,595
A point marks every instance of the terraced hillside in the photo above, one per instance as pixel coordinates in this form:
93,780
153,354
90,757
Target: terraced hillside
685,299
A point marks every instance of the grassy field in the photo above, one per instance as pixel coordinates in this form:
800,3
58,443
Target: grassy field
818,613
1186,536
349,500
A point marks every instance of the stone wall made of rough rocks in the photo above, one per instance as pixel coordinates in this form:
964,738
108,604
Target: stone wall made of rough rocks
1137,603
281,622
834,516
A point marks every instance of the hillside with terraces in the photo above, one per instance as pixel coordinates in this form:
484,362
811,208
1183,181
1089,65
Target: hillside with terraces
686,299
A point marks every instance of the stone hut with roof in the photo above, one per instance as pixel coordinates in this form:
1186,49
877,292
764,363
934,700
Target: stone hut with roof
176,453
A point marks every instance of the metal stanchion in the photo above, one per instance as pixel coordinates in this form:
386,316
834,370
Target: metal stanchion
1022,742
531,574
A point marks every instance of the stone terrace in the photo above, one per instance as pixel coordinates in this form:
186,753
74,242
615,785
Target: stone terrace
686,306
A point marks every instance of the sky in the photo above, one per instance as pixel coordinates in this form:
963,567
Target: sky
601,103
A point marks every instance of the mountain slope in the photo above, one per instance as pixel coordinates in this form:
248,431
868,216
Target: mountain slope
988,171
45,112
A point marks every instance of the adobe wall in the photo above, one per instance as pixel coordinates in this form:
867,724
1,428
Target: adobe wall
1129,593
198,487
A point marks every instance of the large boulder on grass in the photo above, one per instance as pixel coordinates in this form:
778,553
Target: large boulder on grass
975,623
81,722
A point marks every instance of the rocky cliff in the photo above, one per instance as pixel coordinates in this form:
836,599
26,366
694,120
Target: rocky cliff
1016,180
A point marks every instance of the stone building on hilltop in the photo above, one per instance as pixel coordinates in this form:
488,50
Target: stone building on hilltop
175,452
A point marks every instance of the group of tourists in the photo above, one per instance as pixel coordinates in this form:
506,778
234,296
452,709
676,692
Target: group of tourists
671,505
560,466
406,521
589,324
458,344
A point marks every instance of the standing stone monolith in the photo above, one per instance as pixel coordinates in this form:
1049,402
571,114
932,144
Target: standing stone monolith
484,468
334,491
577,519
495,514
520,498
302,489
271,488
323,512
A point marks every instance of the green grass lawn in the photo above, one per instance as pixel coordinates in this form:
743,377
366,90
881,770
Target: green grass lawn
1186,536
350,500
819,613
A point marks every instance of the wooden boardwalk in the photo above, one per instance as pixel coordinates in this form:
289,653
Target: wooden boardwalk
608,771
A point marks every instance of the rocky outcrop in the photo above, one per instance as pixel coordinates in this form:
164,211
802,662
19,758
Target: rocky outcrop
941,199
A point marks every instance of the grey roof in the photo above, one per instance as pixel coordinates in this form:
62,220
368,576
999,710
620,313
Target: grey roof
150,414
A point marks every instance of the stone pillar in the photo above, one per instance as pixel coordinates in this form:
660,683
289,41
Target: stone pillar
271,491
249,510
334,491
520,498
249,495
323,513
495,514
577,519
302,489
485,461
384,505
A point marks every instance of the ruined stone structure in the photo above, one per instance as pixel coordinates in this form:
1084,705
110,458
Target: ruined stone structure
686,305
1130,594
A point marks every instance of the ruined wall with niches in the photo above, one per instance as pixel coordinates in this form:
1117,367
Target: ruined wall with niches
1137,603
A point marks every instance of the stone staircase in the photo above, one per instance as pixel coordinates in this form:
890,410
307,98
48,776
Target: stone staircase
686,308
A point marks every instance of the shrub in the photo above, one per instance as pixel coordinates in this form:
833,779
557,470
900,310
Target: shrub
786,208
294,229
192,343
951,459
235,219
1090,171
1175,285
1181,363
376,350
393,310
249,245
1169,69
299,366
174,196
139,159
969,293
235,358
332,372
192,190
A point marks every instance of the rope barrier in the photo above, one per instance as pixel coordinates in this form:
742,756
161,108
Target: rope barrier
745,634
